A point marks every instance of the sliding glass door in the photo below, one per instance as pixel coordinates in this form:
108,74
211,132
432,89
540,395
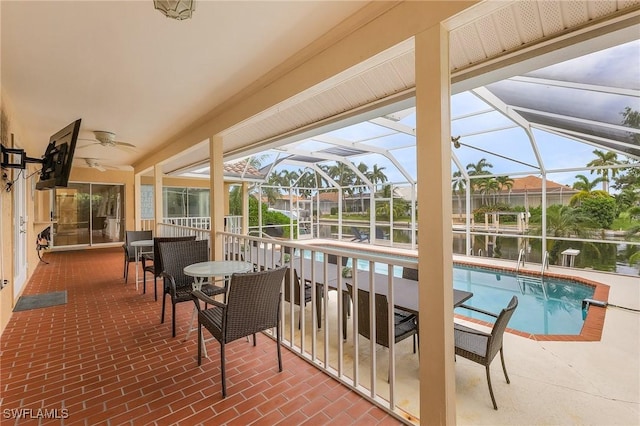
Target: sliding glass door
88,214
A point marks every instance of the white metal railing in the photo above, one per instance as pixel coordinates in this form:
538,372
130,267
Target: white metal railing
322,342
147,224
202,222
169,230
233,224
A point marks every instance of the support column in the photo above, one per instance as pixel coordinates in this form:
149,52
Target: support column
158,201
433,149
245,208
216,191
137,204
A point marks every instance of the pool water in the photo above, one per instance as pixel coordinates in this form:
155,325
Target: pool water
549,306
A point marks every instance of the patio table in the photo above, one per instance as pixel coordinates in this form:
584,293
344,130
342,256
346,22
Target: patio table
405,294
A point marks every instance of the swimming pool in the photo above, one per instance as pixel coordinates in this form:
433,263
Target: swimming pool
549,306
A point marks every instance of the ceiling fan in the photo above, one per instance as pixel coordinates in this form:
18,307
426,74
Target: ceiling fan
95,163
108,139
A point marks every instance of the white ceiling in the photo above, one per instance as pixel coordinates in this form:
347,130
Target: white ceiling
123,67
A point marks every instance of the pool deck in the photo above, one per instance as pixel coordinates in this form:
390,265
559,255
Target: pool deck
563,382
558,382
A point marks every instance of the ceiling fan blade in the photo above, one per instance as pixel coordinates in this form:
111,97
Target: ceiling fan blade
126,148
99,167
125,144
88,145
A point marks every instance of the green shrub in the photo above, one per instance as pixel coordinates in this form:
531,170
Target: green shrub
601,210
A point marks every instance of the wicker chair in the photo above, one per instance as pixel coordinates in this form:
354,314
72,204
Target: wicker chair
410,273
152,263
481,347
253,305
405,324
129,250
308,288
175,255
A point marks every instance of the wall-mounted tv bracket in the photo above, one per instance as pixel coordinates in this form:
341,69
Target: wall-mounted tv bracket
14,158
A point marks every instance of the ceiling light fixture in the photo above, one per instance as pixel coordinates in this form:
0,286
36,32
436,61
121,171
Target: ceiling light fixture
176,9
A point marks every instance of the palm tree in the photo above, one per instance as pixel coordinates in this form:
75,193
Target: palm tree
345,177
605,159
364,169
585,186
564,221
487,187
377,175
459,188
505,182
478,169
307,181
288,177
272,192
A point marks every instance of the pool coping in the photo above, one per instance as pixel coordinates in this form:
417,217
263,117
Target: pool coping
593,324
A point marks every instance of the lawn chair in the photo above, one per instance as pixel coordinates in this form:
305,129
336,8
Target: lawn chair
380,234
359,236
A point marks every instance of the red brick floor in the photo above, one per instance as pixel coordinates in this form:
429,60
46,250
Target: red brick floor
104,358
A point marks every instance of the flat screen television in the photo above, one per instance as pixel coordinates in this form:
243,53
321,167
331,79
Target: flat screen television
57,159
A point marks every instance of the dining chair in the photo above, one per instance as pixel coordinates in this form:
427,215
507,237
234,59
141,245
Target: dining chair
405,323
129,250
151,262
308,288
410,273
481,347
253,304
175,255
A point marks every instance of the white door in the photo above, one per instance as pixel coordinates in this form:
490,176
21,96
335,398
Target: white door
20,238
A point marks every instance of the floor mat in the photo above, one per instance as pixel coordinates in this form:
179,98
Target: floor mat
43,300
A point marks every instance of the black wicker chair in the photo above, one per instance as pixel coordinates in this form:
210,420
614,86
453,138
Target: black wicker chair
482,347
405,323
175,255
152,263
410,273
129,250
253,305
308,288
